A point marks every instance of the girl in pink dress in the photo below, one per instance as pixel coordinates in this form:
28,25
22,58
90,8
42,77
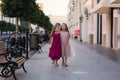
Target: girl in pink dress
66,51
55,48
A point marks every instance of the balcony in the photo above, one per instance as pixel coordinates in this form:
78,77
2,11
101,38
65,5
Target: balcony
115,1
104,6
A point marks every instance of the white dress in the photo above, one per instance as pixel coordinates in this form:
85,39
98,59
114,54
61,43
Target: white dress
66,50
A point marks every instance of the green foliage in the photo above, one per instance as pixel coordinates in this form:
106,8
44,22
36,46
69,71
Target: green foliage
26,10
4,26
17,8
47,24
23,29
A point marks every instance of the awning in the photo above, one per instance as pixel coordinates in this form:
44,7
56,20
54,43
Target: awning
104,7
115,1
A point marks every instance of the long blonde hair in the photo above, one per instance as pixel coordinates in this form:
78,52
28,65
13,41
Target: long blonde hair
54,27
53,30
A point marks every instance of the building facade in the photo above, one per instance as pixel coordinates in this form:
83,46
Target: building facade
73,16
100,21
7,19
107,14
87,23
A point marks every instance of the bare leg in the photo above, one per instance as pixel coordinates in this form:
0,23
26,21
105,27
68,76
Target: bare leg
56,63
53,61
66,62
63,61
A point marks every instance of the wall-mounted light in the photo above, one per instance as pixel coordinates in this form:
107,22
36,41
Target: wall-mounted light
81,17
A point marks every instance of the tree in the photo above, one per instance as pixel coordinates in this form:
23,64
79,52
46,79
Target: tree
2,26
18,8
26,10
46,23
6,26
41,18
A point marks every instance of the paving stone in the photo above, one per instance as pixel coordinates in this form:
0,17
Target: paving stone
86,64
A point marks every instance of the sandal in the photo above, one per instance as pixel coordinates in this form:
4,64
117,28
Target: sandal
65,65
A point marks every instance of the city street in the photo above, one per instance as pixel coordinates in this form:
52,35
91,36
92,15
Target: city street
3,36
86,64
93,27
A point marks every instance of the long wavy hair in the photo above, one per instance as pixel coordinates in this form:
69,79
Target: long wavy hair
66,29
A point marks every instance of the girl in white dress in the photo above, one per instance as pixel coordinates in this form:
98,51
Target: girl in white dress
66,51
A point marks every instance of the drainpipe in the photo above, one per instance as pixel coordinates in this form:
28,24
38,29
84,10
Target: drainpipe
111,45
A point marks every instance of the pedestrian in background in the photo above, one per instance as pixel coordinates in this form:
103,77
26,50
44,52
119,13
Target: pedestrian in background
66,51
36,31
55,48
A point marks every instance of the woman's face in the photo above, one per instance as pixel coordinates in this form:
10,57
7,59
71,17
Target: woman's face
63,27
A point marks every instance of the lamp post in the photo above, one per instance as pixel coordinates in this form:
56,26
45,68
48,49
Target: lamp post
81,20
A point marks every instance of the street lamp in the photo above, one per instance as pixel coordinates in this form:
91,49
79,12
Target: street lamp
81,20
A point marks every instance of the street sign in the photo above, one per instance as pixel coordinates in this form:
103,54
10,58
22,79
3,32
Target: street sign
76,32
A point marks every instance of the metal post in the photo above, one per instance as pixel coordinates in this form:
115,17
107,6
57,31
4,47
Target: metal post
27,45
81,19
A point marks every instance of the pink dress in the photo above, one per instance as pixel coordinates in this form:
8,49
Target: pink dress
66,51
55,50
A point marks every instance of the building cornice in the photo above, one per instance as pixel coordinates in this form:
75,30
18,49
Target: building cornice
115,1
104,6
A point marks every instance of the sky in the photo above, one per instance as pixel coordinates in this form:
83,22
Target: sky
55,7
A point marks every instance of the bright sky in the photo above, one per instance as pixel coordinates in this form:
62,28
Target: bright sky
55,7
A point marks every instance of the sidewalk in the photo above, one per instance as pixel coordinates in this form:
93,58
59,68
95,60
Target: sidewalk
86,64
107,52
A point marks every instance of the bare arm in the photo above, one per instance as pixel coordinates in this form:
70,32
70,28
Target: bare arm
68,38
